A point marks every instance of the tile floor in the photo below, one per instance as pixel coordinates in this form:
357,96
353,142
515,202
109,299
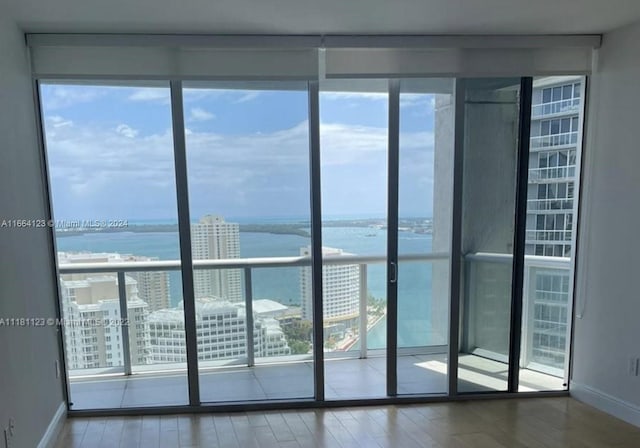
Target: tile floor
344,379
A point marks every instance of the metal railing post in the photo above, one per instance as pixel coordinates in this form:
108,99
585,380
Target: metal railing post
124,322
317,259
248,302
364,318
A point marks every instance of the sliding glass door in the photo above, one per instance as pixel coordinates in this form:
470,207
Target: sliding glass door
425,173
247,147
490,159
353,152
112,181
387,161
432,222
552,210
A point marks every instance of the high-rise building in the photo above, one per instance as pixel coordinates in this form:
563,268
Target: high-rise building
340,293
551,211
555,122
91,298
212,239
153,286
221,330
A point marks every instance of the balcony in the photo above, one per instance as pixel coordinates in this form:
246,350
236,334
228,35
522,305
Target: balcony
559,173
562,107
545,321
353,369
554,140
545,205
547,236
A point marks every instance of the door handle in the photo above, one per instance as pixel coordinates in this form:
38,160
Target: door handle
393,272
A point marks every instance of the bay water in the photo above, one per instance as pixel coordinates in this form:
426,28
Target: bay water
283,284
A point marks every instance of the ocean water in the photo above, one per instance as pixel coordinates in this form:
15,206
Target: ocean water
282,284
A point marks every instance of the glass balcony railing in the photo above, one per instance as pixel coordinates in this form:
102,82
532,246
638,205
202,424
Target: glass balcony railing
548,173
548,141
152,338
571,105
546,305
544,326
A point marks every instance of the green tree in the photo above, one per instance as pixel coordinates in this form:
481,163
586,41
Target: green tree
299,347
299,330
298,334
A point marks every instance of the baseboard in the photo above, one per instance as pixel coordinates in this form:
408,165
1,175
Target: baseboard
55,426
618,408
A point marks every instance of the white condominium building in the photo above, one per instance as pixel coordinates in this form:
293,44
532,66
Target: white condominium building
551,209
153,286
212,239
93,336
340,291
555,126
221,330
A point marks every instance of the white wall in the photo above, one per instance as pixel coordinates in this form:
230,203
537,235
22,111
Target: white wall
29,390
608,291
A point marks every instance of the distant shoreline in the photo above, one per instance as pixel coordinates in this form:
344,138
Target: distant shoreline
299,229
276,229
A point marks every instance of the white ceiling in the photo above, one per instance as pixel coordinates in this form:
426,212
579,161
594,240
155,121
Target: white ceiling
323,16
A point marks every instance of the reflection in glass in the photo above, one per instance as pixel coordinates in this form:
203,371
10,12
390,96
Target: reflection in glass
551,206
491,115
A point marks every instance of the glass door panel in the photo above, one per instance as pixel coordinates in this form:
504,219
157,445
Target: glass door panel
353,148
552,206
112,177
491,119
247,146
424,234
247,149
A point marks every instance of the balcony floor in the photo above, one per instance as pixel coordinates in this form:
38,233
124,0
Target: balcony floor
344,379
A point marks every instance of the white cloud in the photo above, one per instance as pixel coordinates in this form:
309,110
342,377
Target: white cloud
416,100
348,144
200,114
91,162
152,94
406,99
126,130
194,95
60,96
248,96
255,173
57,121
337,96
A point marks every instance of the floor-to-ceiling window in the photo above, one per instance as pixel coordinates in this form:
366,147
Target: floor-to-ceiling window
552,206
244,325
491,124
425,173
353,148
110,160
247,147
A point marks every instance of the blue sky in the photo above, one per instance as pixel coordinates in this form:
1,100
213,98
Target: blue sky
110,152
